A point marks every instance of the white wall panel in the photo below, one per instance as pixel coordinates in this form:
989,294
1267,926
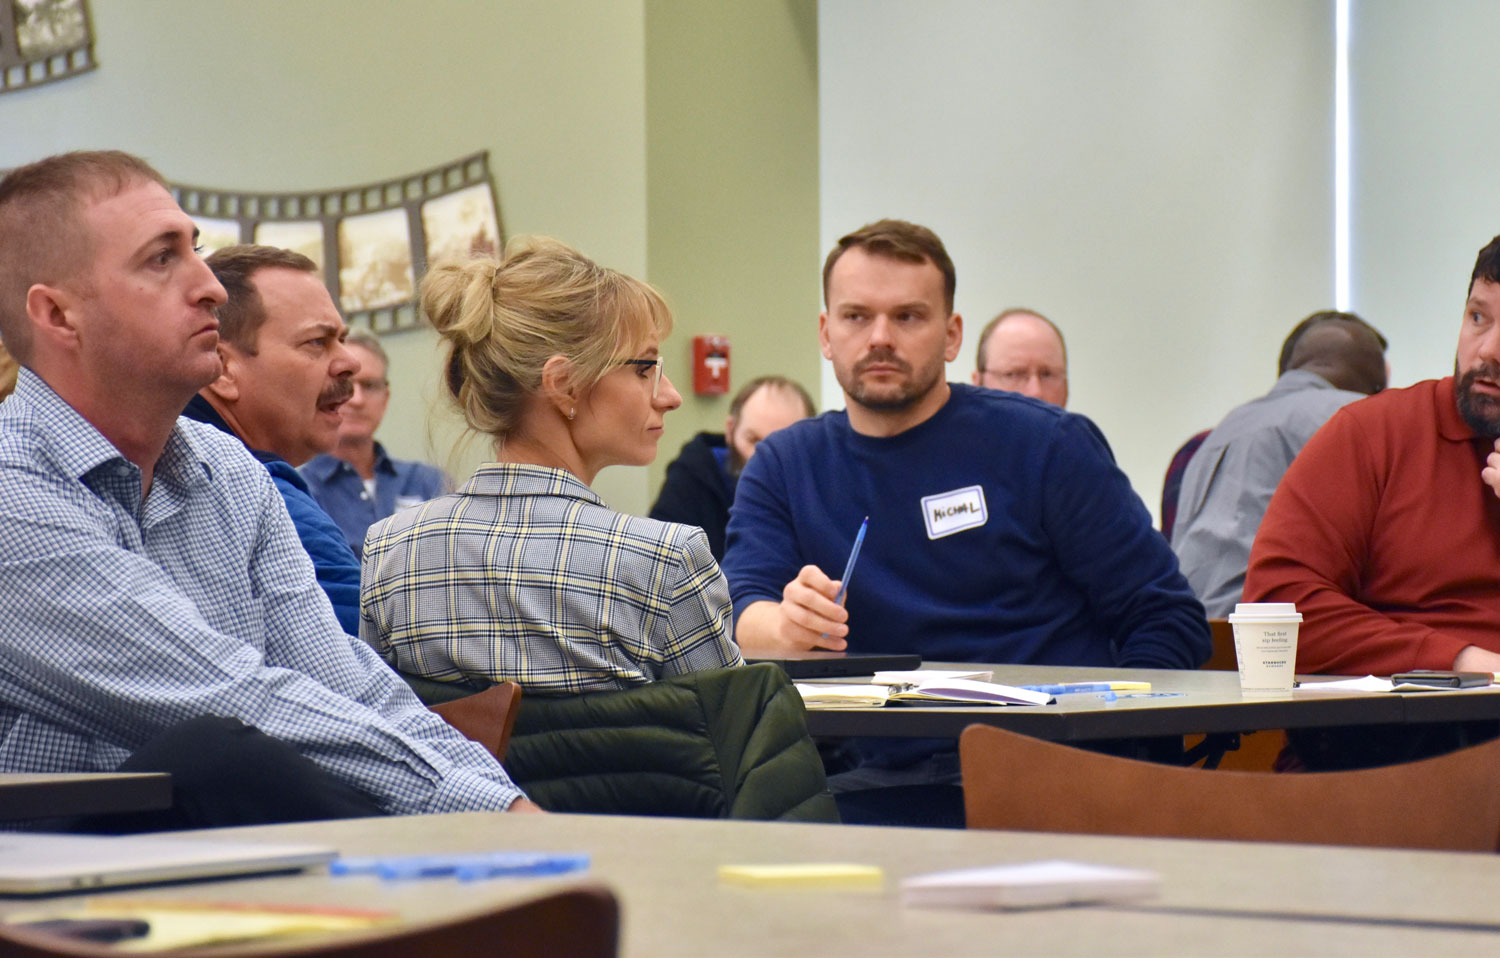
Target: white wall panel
1155,175
1426,169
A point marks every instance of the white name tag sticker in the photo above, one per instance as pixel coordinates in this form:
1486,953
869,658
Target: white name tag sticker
950,512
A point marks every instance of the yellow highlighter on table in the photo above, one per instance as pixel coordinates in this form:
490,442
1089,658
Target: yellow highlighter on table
808,875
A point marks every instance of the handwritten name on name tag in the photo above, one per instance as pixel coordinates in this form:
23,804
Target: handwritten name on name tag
950,512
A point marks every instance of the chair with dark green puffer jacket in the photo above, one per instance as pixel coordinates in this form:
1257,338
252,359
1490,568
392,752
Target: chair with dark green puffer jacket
726,743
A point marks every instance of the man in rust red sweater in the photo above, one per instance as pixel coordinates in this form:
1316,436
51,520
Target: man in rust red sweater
1383,531
1386,536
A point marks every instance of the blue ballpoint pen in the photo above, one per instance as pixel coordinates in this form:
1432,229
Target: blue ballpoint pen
1068,688
859,540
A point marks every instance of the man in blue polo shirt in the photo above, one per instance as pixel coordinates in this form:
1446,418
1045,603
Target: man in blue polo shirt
1000,528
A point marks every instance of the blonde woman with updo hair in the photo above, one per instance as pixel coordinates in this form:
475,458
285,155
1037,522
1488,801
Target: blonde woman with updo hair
524,573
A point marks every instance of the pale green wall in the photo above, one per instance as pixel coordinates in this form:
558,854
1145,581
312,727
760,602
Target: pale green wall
707,186
732,191
285,94
1423,191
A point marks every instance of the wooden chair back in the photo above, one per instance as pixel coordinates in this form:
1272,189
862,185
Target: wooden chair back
485,717
581,921
1258,751
1450,802
1223,658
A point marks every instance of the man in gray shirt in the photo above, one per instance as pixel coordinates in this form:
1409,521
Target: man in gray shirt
1329,360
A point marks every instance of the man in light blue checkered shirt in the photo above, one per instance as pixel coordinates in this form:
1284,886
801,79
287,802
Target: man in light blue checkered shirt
149,573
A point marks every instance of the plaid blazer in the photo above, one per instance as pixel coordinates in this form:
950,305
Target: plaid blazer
525,574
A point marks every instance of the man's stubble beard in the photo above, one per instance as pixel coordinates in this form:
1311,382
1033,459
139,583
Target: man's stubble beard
905,397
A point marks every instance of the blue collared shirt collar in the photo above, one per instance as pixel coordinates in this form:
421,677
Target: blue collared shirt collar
81,450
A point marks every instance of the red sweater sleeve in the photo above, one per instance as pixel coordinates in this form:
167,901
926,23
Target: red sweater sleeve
1312,548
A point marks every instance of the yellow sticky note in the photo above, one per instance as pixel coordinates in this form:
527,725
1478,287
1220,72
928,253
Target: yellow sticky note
809,875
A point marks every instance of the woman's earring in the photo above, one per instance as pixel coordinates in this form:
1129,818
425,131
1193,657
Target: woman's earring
571,414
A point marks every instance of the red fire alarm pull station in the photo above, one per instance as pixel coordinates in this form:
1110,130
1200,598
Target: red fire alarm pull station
710,365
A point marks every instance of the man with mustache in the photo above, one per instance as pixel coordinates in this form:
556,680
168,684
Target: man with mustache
1383,531
286,372
1000,529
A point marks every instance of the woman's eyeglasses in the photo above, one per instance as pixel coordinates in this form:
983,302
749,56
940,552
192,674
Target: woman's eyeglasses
655,374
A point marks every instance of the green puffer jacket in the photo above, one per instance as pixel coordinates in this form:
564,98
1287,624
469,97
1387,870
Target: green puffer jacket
727,743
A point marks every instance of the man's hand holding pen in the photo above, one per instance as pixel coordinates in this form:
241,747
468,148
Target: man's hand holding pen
807,617
813,610
811,614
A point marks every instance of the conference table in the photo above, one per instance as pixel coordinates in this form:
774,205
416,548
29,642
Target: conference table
1179,703
1216,898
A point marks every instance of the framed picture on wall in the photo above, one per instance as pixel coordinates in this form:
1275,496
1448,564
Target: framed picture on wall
299,236
372,243
374,261
42,41
461,224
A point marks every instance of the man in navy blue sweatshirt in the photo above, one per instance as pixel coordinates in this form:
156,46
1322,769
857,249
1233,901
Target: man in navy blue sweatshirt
1000,529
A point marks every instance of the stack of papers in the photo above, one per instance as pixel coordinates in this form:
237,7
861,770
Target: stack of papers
842,696
968,692
1374,683
939,692
1369,683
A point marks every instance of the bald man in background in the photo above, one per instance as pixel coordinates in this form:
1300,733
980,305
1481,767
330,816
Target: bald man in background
1022,351
1332,359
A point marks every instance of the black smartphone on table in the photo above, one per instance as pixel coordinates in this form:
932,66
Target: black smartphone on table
1442,679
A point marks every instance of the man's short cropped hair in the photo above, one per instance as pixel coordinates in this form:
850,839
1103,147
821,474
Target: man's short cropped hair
368,339
42,235
994,324
1323,316
900,240
772,382
241,317
1487,266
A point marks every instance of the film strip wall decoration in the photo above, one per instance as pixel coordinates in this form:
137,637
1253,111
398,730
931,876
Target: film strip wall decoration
372,242
44,40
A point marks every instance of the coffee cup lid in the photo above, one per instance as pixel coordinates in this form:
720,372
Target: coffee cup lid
1265,608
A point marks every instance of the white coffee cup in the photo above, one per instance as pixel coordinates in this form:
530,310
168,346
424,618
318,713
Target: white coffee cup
1265,644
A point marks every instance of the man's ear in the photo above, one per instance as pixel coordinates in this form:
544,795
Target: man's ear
558,387
227,387
955,340
50,309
